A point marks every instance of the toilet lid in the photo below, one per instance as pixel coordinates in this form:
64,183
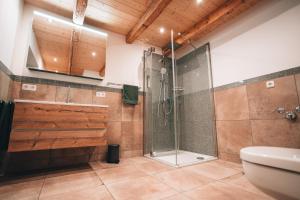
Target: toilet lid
283,158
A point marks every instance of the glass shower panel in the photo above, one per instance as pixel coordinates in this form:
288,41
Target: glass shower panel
159,135
195,103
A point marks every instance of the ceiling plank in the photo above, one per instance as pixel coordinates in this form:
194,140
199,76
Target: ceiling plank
221,15
153,11
79,11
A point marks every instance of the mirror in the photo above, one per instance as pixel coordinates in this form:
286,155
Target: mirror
61,47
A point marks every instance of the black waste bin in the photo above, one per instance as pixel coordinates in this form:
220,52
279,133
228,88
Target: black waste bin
113,153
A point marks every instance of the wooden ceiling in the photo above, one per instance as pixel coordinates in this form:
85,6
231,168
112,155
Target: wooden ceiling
65,49
186,17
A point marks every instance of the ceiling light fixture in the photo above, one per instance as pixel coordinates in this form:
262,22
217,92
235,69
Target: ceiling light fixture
55,59
93,53
199,1
162,30
49,17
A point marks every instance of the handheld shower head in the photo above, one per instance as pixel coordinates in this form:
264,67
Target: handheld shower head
163,70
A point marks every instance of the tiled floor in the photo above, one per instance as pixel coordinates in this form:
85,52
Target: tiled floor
135,179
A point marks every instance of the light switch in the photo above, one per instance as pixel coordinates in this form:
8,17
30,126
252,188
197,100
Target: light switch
100,94
270,84
29,87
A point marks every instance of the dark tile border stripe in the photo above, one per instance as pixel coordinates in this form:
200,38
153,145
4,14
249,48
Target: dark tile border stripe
291,71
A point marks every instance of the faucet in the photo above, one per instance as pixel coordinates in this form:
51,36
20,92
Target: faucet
289,115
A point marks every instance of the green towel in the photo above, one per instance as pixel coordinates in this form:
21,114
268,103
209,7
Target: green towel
130,94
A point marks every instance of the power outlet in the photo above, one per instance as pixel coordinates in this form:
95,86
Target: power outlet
270,84
29,87
100,94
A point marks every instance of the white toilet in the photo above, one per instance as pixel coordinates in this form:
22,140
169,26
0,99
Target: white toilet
274,170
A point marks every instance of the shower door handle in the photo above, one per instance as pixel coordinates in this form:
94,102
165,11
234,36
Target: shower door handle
148,81
178,88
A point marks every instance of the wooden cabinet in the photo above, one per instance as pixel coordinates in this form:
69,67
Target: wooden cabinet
38,126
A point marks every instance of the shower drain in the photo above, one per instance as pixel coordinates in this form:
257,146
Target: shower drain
200,158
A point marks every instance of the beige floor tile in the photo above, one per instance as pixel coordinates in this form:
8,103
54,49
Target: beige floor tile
240,180
21,189
104,165
92,193
144,188
183,179
222,191
237,166
177,197
214,170
139,160
58,184
116,174
151,167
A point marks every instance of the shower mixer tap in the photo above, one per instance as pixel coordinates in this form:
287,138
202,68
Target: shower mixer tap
289,115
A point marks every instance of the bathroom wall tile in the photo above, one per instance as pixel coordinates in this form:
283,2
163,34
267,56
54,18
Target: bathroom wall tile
133,112
61,94
114,101
16,90
263,101
231,157
280,132
78,95
43,92
132,135
232,104
114,132
233,135
130,154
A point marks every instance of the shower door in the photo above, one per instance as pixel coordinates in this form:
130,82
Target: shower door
179,125
158,118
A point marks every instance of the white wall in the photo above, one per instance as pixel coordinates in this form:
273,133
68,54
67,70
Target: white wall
10,13
123,61
262,41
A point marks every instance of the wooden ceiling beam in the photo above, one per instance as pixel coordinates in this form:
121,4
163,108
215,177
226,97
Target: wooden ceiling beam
79,11
228,10
153,11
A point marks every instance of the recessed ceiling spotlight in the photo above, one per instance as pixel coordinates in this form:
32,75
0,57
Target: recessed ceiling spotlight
162,30
178,33
93,53
55,59
56,71
199,1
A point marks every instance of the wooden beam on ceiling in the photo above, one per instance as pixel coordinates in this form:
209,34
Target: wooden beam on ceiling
153,11
221,15
79,11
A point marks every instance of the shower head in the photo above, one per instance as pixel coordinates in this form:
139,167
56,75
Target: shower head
163,70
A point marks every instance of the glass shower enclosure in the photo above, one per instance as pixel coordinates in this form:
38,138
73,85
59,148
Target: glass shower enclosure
179,122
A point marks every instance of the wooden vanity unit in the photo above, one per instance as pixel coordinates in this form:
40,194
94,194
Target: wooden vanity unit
39,125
